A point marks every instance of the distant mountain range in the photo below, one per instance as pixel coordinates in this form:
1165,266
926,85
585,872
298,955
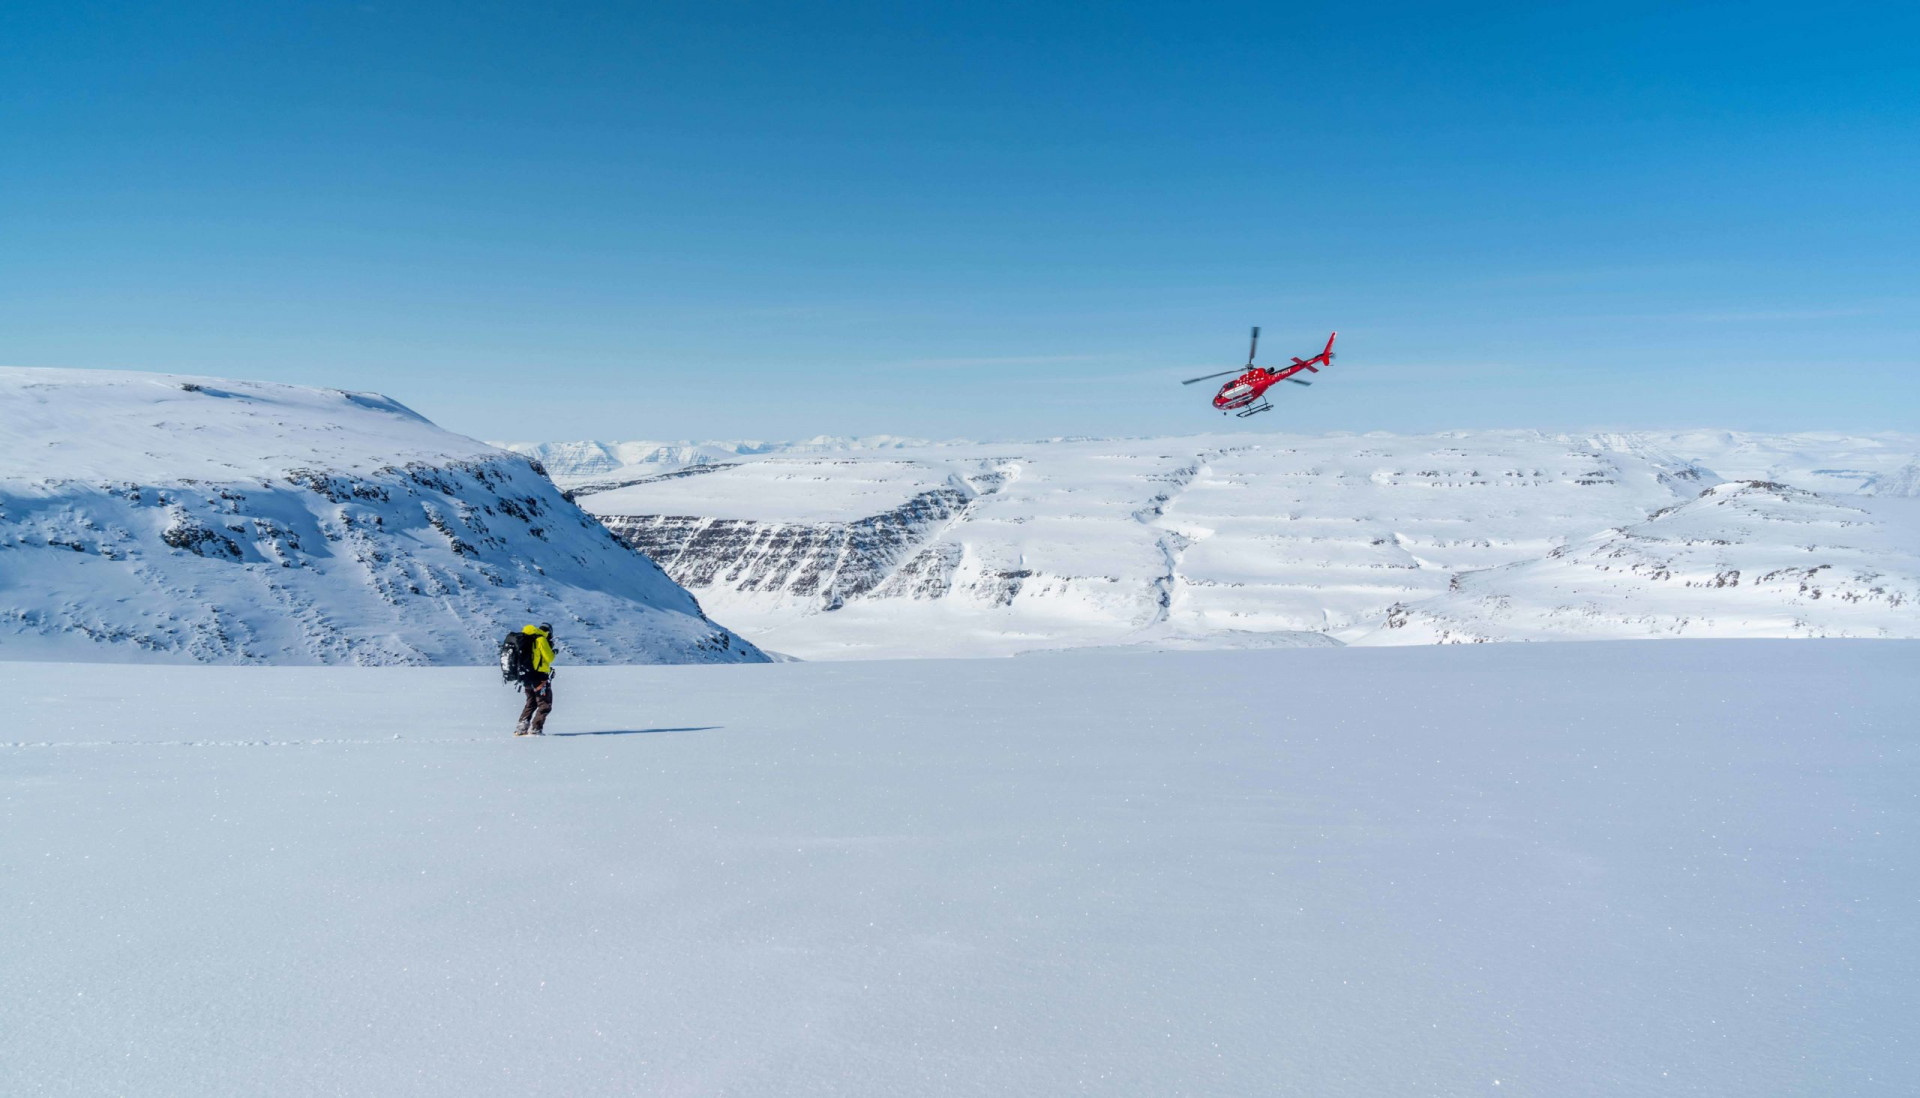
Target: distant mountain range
572,463
890,547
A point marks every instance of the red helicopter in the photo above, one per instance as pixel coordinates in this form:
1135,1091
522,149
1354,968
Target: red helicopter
1246,395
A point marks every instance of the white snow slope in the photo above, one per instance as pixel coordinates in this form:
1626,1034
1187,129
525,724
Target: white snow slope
1745,558
1242,540
1903,482
158,518
1554,870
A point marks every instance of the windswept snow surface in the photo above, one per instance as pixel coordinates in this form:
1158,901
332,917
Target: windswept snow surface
1247,540
1561,870
150,517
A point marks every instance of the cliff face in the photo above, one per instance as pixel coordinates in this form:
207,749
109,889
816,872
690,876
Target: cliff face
146,517
828,562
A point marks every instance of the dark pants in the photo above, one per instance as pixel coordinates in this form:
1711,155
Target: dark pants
533,715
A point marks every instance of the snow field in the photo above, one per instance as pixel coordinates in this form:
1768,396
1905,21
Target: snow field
115,426
1577,869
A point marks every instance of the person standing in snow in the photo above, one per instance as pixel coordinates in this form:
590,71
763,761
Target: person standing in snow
538,683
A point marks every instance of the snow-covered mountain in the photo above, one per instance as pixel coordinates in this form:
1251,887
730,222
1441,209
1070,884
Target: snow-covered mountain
1902,483
154,517
1745,559
1815,460
1207,541
1818,461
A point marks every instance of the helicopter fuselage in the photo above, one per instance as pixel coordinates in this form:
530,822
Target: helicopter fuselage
1251,386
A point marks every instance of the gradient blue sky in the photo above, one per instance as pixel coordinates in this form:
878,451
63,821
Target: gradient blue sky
723,220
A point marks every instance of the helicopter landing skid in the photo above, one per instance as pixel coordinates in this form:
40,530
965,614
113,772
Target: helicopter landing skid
1263,406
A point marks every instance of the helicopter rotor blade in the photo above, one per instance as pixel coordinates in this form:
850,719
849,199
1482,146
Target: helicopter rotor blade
1297,381
1222,373
1254,346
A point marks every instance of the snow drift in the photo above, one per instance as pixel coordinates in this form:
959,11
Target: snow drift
153,517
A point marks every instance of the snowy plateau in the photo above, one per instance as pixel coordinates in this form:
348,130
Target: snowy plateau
1559,870
180,519
833,549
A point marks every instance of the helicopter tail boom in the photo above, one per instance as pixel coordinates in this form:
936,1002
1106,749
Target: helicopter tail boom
1324,358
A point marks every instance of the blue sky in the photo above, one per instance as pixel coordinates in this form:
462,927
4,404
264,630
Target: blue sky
723,220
